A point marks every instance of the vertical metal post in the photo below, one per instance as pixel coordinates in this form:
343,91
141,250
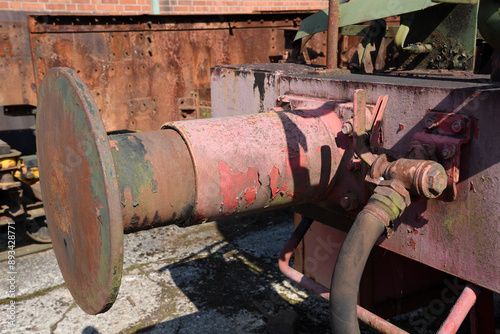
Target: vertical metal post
332,35
155,7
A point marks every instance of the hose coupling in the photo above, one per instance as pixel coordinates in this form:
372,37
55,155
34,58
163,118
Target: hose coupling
388,202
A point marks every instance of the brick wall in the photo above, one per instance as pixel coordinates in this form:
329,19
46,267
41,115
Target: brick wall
166,6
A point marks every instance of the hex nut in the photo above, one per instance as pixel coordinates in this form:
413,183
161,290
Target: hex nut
436,181
399,188
391,194
430,122
458,126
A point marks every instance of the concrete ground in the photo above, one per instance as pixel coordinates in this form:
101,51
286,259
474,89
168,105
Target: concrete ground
218,277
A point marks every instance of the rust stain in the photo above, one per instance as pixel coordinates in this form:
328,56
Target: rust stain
236,186
412,243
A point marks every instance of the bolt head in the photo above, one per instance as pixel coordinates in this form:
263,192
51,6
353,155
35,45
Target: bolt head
430,122
448,152
347,128
345,202
436,181
458,126
349,202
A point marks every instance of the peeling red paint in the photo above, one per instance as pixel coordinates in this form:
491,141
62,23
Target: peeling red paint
112,143
275,182
235,186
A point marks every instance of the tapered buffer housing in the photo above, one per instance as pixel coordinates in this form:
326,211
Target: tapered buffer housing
96,187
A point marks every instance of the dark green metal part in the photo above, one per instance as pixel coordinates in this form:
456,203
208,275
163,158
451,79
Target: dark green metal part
489,22
359,11
450,30
362,30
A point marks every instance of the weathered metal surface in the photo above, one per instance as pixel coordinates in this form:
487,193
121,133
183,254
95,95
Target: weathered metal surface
155,177
138,67
80,190
268,160
451,30
437,233
17,82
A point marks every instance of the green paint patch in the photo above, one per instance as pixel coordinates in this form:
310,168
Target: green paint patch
135,172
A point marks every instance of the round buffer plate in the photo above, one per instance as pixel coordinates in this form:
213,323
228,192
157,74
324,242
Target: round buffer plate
80,190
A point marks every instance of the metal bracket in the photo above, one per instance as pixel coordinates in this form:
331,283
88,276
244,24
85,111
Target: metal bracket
361,126
192,107
442,139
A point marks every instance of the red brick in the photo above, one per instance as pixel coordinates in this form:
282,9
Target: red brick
132,8
55,6
32,5
14,5
4,5
86,8
110,1
105,8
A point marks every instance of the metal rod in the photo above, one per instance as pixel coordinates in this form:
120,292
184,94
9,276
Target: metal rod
365,316
293,274
332,35
460,310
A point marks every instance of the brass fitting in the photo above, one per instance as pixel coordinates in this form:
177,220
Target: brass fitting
423,178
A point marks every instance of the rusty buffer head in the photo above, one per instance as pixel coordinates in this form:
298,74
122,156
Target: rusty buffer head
82,198
96,187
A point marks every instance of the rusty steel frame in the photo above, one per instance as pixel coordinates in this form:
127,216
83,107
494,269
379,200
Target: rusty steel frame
139,68
430,232
16,73
146,70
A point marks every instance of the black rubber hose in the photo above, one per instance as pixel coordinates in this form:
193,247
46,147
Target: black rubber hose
349,267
